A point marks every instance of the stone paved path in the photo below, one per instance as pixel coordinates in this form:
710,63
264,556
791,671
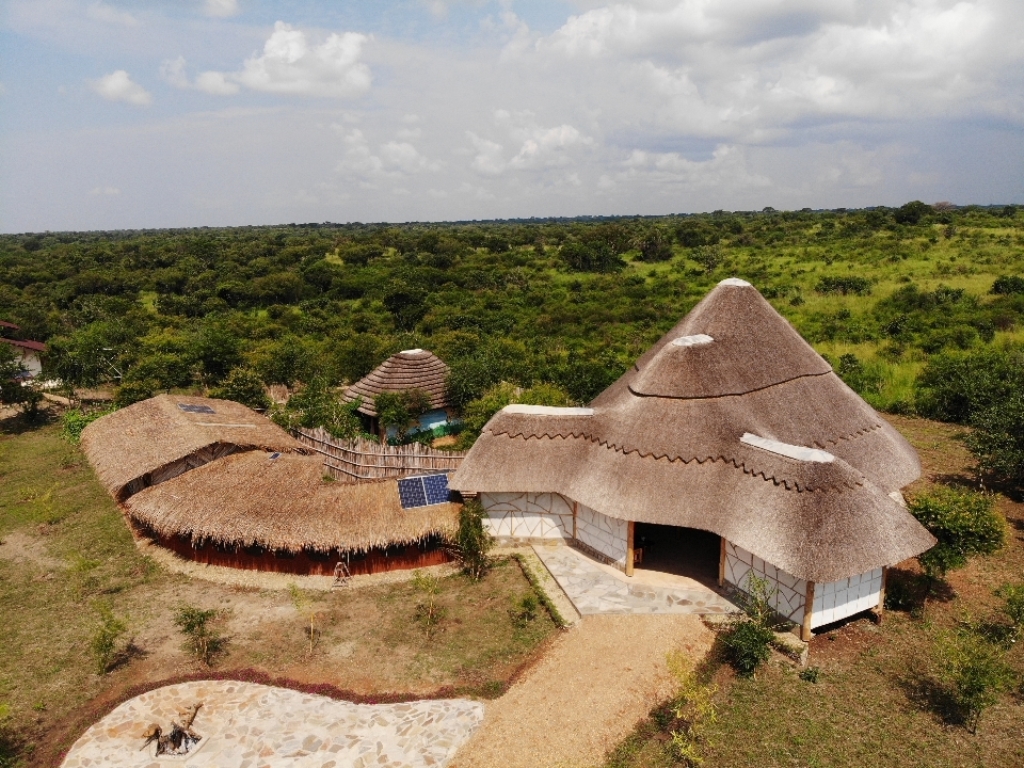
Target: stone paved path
246,725
596,589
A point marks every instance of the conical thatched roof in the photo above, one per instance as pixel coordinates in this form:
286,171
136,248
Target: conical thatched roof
411,369
156,439
665,444
284,504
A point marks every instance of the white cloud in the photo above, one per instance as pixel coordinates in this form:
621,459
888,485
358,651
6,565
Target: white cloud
393,160
105,192
118,86
111,15
289,64
215,83
221,8
538,147
173,72
725,169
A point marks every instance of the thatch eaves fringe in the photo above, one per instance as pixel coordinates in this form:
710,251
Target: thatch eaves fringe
284,504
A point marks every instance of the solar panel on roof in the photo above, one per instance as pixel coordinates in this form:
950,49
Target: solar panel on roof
189,408
423,490
436,487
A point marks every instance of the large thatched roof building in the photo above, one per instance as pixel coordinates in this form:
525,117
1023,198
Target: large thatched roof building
407,370
157,439
730,424
218,483
279,512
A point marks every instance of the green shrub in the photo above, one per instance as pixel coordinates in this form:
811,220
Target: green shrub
974,673
472,541
74,422
1008,284
810,675
1013,607
959,387
965,524
202,640
525,610
749,645
851,284
997,440
243,385
429,614
105,643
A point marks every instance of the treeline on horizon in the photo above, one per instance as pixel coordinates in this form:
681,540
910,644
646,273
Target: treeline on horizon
910,304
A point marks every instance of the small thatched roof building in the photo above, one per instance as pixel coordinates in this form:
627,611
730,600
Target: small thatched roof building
155,440
730,424
255,510
411,369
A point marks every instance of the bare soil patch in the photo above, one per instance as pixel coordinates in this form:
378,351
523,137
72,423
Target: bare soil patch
587,693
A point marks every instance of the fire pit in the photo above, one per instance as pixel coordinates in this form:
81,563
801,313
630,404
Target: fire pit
180,739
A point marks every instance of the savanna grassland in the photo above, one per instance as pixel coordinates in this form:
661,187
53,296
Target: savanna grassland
920,309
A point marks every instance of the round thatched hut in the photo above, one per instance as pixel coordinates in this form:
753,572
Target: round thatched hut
220,484
278,512
730,435
407,370
155,440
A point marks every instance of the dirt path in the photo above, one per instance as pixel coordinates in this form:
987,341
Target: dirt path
586,695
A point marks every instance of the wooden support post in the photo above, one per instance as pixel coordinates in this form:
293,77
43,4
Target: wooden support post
629,547
878,614
805,629
721,563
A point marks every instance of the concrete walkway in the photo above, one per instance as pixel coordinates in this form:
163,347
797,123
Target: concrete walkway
595,588
246,725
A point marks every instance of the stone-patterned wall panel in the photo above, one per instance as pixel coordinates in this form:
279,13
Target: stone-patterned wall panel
607,535
837,600
790,592
527,515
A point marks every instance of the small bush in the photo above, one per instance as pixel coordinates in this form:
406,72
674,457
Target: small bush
974,674
429,615
997,441
75,421
859,286
965,524
203,641
105,643
1013,608
472,542
749,645
1008,284
525,610
810,675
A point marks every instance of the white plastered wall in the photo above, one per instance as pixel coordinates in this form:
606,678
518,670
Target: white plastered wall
607,535
790,592
837,600
532,516
833,600
528,515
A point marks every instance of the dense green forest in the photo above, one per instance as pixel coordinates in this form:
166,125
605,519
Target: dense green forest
919,308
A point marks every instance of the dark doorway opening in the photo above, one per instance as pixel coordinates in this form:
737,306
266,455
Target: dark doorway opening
681,551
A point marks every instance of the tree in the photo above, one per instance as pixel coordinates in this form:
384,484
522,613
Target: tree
912,212
319,405
401,410
654,244
472,541
243,385
480,411
13,388
997,441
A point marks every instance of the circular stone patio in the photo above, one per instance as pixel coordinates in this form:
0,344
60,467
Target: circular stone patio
247,725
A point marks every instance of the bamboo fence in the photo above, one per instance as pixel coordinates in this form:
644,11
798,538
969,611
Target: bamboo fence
365,460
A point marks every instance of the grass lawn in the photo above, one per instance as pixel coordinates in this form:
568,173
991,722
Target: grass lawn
65,549
875,702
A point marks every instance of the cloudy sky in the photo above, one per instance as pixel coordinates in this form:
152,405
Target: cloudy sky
154,113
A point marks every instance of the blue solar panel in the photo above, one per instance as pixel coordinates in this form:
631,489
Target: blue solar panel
436,487
411,493
423,491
